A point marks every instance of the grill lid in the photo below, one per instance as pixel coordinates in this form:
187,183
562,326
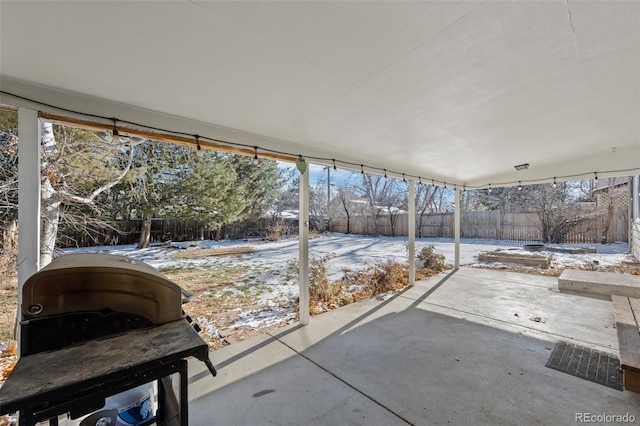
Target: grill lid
104,283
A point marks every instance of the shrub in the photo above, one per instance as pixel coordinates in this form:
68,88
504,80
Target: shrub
387,276
430,260
320,288
323,294
383,277
277,229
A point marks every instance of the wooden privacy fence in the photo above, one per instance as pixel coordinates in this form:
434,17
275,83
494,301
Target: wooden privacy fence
478,224
128,232
486,224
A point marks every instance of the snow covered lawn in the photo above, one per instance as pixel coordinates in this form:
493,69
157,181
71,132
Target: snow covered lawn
242,287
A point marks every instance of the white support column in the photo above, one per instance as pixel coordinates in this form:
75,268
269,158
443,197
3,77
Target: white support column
412,231
303,243
28,199
456,227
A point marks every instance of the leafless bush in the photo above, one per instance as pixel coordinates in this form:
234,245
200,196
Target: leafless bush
387,276
324,295
277,229
430,261
381,278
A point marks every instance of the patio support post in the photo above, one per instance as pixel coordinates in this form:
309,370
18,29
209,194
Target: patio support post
303,244
456,227
412,231
28,200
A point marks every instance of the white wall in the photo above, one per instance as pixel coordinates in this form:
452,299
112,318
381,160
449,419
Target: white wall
635,239
635,217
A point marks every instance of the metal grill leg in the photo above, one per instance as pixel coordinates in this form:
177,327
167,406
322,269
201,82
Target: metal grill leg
184,396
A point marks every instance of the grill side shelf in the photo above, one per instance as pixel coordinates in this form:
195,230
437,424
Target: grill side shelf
41,377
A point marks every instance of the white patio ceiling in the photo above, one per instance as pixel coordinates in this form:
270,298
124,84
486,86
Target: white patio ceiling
459,92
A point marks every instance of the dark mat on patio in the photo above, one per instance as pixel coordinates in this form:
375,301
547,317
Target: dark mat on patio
589,364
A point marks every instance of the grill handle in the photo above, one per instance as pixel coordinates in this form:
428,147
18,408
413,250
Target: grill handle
186,296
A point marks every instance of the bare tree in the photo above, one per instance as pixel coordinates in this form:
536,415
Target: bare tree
556,208
346,195
318,205
76,168
609,213
427,201
384,195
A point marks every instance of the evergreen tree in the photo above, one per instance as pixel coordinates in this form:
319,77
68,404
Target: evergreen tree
208,191
496,199
150,188
259,181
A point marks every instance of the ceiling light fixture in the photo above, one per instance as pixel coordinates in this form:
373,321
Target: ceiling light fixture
522,166
301,165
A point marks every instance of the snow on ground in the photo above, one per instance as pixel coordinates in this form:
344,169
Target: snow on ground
270,263
348,251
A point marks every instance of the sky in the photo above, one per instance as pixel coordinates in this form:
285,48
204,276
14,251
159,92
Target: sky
318,173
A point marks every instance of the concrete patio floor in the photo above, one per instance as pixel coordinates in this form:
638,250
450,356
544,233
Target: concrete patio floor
466,347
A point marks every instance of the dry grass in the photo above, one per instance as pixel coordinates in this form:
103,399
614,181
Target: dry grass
8,311
221,293
195,252
198,280
8,269
8,292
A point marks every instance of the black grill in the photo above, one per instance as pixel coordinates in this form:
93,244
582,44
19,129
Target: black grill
78,308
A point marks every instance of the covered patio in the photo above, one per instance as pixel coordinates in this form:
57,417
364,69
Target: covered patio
469,95
462,348
448,93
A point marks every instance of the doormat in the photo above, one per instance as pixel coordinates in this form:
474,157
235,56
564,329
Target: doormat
588,364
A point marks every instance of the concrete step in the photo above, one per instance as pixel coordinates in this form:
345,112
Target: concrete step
627,314
540,261
601,283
